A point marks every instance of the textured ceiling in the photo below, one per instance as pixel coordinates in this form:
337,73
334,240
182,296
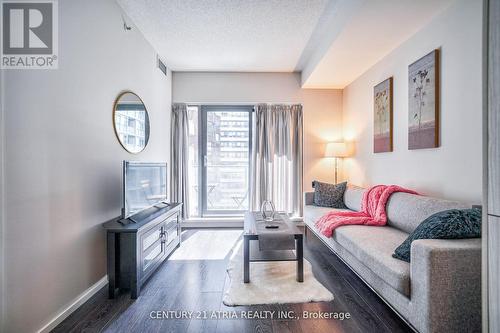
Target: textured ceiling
332,42
228,35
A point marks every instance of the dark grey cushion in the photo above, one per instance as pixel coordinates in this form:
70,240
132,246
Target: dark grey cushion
448,224
329,195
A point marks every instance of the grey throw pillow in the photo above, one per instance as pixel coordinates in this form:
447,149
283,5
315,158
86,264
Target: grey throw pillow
448,224
329,195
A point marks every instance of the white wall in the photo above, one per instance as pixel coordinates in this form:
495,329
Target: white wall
454,169
63,161
321,107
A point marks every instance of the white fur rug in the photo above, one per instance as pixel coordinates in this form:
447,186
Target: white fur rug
271,282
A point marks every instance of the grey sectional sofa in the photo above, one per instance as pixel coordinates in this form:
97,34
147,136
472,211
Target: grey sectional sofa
439,291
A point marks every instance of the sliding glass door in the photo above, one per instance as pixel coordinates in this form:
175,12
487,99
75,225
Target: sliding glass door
225,142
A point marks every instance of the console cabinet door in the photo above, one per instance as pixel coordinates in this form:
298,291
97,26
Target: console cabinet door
151,248
171,232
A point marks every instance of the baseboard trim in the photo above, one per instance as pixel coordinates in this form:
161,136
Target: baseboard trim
75,304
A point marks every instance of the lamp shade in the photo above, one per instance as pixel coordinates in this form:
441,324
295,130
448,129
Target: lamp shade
336,149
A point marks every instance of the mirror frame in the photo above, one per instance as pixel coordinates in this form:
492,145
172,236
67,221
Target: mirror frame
146,140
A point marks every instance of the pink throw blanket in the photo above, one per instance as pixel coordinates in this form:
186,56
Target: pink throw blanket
372,210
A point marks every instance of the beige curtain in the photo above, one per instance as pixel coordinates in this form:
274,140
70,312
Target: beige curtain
180,157
276,170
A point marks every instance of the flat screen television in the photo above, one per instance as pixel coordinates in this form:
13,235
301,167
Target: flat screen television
144,186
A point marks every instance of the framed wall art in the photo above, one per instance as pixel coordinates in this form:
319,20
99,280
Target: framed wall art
423,99
383,116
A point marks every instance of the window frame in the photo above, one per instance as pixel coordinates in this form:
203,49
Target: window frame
202,153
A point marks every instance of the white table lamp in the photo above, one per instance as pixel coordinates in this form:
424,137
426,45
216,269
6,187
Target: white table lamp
336,150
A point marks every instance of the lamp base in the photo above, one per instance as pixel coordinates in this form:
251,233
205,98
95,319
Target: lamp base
336,170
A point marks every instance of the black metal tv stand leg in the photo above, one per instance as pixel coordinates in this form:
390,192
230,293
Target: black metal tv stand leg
246,259
300,258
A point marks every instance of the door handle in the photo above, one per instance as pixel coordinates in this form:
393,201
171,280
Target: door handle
205,161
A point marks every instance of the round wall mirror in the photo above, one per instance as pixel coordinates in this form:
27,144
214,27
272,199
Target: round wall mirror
131,122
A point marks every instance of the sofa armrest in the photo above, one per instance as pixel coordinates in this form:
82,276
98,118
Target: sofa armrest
308,198
446,285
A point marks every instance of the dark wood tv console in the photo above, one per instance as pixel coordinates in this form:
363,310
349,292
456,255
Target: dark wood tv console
136,248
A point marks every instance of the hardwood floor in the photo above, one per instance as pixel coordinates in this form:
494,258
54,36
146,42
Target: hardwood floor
193,279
